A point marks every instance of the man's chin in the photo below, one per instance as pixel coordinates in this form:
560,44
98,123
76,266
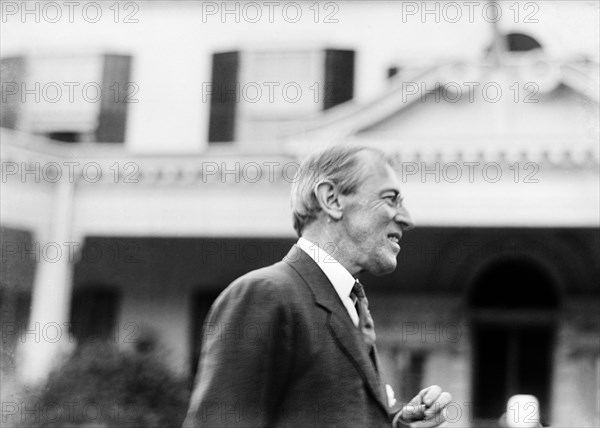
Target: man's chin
385,269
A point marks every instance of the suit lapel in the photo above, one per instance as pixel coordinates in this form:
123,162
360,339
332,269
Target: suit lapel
339,323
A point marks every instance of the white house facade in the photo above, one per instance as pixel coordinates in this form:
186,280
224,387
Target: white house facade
148,164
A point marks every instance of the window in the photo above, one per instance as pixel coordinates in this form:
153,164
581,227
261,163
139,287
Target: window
68,98
94,314
16,283
255,95
14,313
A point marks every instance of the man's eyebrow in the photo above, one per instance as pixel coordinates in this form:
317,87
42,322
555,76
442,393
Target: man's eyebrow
395,191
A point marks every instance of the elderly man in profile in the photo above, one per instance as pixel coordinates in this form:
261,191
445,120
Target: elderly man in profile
293,344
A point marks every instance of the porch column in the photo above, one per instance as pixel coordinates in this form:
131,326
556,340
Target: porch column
47,337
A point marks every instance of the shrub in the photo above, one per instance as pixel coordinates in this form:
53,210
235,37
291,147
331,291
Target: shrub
101,386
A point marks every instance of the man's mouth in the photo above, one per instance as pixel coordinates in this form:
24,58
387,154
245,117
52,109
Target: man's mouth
394,237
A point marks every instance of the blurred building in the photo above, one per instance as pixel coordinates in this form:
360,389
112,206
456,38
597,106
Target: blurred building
148,152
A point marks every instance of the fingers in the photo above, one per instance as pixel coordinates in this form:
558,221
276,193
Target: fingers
413,412
443,400
427,409
438,406
415,409
430,395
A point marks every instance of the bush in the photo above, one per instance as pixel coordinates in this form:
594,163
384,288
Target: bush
101,386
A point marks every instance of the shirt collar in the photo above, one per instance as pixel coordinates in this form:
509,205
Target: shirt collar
337,274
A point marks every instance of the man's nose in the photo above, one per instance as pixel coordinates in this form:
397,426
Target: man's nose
404,219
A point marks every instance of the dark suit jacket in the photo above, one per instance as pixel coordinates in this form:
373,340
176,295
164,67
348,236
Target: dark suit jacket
280,350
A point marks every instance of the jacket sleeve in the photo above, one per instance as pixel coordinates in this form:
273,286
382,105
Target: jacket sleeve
245,358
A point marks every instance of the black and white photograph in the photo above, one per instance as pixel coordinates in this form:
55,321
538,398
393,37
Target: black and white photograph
299,214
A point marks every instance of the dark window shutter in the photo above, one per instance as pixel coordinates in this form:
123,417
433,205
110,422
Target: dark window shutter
223,99
94,314
12,73
116,93
339,77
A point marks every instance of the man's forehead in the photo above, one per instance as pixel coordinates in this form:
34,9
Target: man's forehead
382,174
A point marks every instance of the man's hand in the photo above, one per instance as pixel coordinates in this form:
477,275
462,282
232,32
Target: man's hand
426,409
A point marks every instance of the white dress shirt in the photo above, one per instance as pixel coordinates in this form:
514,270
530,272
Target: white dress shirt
337,274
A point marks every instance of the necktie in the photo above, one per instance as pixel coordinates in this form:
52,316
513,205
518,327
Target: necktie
365,321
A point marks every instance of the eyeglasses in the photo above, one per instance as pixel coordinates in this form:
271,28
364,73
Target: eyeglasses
393,199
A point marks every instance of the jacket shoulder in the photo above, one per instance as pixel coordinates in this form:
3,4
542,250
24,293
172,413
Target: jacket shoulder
277,281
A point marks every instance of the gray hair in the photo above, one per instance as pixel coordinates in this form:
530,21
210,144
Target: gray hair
338,164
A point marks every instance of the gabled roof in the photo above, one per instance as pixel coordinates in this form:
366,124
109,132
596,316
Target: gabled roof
574,81
349,118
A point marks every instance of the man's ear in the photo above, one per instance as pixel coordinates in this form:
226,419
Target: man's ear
327,196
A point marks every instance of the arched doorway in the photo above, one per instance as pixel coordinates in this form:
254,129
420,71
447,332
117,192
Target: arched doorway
513,307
